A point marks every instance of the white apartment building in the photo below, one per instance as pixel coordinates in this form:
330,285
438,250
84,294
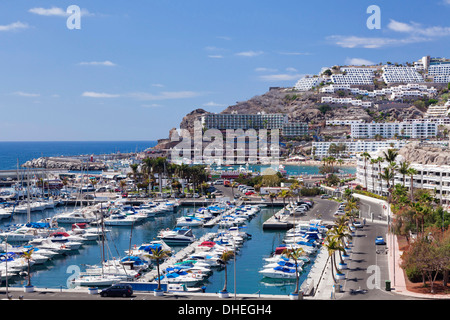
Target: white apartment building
438,111
444,121
393,74
435,178
337,122
333,88
410,90
439,70
359,71
441,78
357,146
352,79
353,102
307,83
413,130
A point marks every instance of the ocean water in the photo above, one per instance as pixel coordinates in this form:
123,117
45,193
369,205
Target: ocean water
55,273
13,152
249,260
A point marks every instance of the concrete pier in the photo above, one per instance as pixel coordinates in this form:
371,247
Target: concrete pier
179,256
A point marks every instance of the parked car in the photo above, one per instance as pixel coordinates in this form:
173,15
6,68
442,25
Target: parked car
249,193
117,290
324,196
357,224
380,241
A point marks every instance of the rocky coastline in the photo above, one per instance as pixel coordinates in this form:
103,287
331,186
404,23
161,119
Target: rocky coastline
64,164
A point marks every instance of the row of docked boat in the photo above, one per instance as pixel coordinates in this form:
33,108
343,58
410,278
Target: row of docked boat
207,256
42,243
225,216
306,236
118,213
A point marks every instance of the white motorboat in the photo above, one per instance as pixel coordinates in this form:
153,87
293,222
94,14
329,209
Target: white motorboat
177,236
4,213
23,234
119,219
189,221
98,280
77,216
279,273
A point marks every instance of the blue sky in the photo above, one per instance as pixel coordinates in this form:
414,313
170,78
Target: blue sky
135,68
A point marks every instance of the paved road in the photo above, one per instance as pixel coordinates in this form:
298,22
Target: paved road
368,268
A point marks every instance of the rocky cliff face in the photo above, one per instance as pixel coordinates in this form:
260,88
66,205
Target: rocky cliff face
415,153
64,164
305,107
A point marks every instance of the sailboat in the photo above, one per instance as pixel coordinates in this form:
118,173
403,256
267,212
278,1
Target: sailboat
101,277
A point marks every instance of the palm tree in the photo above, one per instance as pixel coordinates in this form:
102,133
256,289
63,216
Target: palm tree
366,156
403,170
224,258
380,160
341,233
332,246
390,155
294,254
294,188
272,196
285,194
373,162
387,176
411,173
28,257
158,255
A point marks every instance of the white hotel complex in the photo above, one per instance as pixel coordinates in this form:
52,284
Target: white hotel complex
435,178
393,74
321,149
307,83
412,130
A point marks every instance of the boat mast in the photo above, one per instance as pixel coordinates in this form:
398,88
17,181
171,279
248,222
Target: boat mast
28,198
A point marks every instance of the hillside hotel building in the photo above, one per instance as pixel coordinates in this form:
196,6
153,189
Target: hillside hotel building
412,130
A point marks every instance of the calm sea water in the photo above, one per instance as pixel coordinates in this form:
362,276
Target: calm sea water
11,152
55,273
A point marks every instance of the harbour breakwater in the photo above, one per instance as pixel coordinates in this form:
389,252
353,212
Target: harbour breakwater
63,163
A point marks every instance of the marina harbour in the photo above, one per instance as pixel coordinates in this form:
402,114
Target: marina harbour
244,271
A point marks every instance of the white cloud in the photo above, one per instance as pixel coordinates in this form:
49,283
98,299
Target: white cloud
415,33
290,69
280,77
358,62
213,104
53,11
224,38
26,94
266,70
56,12
294,53
158,85
98,63
215,56
372,43
250,53
90,94
153,105
417,29
167,95
14,26
400,26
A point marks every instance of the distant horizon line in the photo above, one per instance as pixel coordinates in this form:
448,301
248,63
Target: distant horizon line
11,141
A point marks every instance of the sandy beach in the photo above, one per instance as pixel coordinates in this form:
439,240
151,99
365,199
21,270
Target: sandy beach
347,164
